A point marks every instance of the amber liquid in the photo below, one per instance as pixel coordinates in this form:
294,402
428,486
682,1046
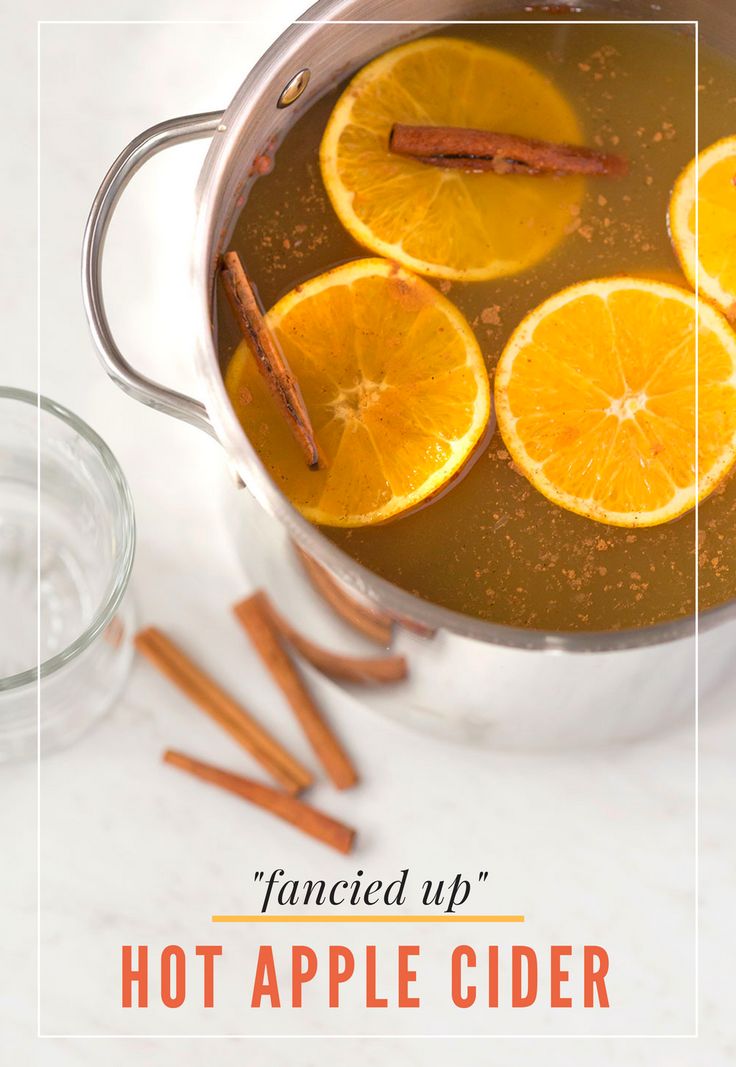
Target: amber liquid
493,546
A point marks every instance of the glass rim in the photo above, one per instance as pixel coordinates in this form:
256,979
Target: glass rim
123,563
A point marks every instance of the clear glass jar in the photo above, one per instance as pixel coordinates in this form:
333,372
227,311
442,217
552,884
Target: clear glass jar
67,541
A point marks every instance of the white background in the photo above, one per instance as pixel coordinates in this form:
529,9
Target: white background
589,847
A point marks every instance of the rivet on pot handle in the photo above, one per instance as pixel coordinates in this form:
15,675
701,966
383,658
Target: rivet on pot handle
131,159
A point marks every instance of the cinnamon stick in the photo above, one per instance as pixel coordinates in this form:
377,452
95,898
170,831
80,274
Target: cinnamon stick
254,615
304,817
269,359
372,623
221,707
365,670
501,153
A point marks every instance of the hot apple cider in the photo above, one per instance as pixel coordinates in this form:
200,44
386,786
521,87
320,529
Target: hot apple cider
480,260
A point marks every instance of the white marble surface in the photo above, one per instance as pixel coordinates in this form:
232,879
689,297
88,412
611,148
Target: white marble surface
590,847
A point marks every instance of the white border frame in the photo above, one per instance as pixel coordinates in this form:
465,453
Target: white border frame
465,1037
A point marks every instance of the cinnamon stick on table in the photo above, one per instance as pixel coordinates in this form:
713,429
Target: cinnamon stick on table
371,622
306,818
501,153
254,614
270,361
221,707
366,670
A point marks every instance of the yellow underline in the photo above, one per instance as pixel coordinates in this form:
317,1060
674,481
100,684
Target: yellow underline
368,918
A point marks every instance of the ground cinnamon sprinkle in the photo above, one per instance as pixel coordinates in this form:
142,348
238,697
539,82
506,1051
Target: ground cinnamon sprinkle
491,316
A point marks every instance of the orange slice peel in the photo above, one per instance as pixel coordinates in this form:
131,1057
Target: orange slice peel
709,264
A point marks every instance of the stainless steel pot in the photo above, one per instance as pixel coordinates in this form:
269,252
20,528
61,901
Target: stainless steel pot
500,684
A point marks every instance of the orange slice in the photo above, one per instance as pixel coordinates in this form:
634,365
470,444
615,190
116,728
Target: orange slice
595,399
395,386
710,263
447,223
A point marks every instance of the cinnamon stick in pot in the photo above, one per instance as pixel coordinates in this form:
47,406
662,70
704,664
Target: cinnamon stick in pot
500,153
270,360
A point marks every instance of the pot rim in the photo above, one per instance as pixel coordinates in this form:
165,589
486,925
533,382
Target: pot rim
210,189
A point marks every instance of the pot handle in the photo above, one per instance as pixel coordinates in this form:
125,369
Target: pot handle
130,160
